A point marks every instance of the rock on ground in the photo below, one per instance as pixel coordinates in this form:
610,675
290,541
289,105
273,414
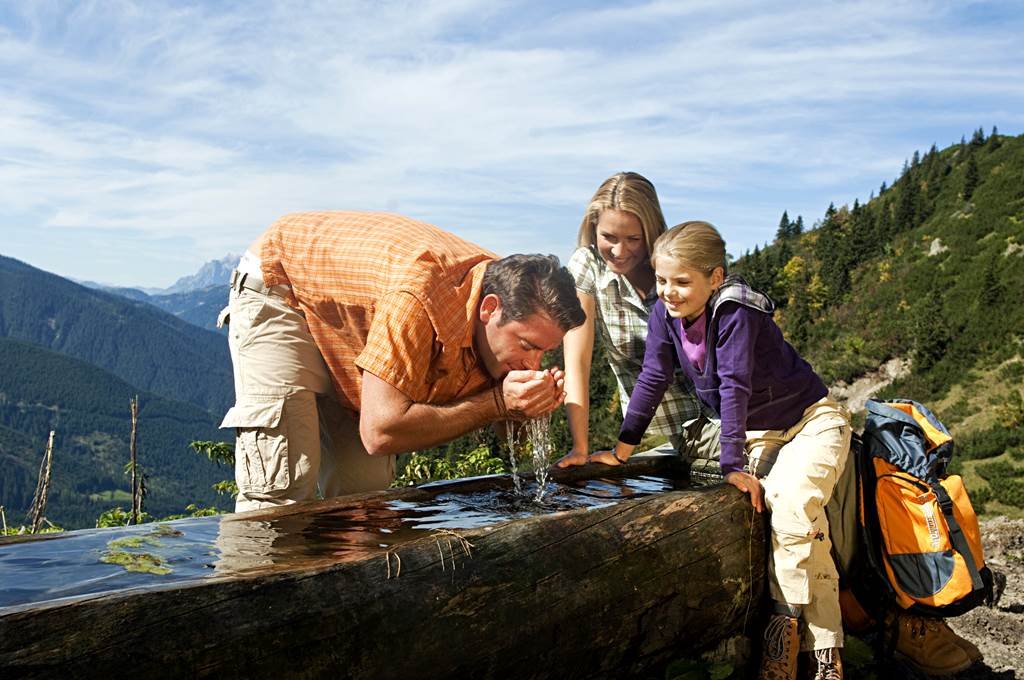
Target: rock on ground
856,394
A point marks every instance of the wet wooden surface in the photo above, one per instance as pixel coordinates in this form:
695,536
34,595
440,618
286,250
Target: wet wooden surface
610,591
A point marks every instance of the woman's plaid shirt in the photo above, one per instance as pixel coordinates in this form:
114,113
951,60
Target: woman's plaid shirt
622,321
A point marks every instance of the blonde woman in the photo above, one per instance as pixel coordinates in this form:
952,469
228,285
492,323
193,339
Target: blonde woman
615,286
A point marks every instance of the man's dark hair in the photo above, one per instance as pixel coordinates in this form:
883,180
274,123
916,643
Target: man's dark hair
528,284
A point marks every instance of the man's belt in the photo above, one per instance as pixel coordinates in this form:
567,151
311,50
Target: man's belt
253,282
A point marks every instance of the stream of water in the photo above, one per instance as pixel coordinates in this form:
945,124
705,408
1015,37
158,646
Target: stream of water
535,433
538,431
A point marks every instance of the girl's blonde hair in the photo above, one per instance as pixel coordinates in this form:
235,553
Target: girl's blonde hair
694,244
630,192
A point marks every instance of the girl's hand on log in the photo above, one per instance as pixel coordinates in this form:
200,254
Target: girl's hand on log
604,457
574,457
748,483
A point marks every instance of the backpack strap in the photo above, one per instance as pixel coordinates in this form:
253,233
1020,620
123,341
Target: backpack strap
873,549
956,536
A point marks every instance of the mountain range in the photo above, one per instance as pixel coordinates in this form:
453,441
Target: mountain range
144,346
72,358
195,298
213,273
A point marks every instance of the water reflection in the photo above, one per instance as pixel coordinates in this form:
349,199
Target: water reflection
71,565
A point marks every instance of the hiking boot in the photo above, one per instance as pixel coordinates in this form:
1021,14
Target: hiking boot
963,643
825,664
781,647
930,645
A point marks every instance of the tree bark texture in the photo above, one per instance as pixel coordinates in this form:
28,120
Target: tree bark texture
611,591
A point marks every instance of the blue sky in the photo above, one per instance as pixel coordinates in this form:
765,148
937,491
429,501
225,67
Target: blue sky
138,140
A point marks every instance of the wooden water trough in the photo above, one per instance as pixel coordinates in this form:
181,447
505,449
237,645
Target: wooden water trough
374,586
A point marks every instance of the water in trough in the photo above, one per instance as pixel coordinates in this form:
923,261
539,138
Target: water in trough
62,567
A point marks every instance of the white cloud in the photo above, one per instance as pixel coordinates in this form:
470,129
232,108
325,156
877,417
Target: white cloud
205,123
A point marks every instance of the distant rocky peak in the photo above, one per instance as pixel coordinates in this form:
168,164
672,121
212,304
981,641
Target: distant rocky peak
213,273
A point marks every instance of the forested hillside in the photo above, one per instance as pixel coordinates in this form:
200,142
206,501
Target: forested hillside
199,307
931,270
140,344
88,408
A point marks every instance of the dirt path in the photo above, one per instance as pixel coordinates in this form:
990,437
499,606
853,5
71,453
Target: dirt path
999,631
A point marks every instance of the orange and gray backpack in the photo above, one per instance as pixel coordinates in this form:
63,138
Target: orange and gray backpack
921,535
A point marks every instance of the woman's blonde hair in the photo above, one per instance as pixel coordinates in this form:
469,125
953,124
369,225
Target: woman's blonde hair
694,244
630,192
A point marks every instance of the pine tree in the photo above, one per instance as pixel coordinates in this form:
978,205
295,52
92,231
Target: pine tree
798,226
991,289
970,177
978,139
783,231
835,253
882,189
906,211
883,225
931,333
863,235
993,140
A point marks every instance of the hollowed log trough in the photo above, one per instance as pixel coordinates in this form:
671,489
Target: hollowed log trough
612,591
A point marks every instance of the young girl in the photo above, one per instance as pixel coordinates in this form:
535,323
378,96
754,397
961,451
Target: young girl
615,286
783,440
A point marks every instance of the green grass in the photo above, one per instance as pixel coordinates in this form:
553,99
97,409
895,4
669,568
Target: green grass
977,486
114,496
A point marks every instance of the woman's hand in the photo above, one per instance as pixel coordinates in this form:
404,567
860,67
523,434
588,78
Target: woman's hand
748,483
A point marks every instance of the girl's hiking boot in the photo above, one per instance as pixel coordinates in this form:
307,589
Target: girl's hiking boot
780,648
825,664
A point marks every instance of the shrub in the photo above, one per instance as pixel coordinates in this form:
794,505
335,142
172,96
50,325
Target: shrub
997,470
1012,372
979,497
427,467
989,443
1008,491
119,517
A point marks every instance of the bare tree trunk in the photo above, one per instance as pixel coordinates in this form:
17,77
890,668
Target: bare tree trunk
3,516
133,457
42,486
141,496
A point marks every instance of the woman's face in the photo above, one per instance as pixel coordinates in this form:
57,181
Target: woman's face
684,291
620,240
